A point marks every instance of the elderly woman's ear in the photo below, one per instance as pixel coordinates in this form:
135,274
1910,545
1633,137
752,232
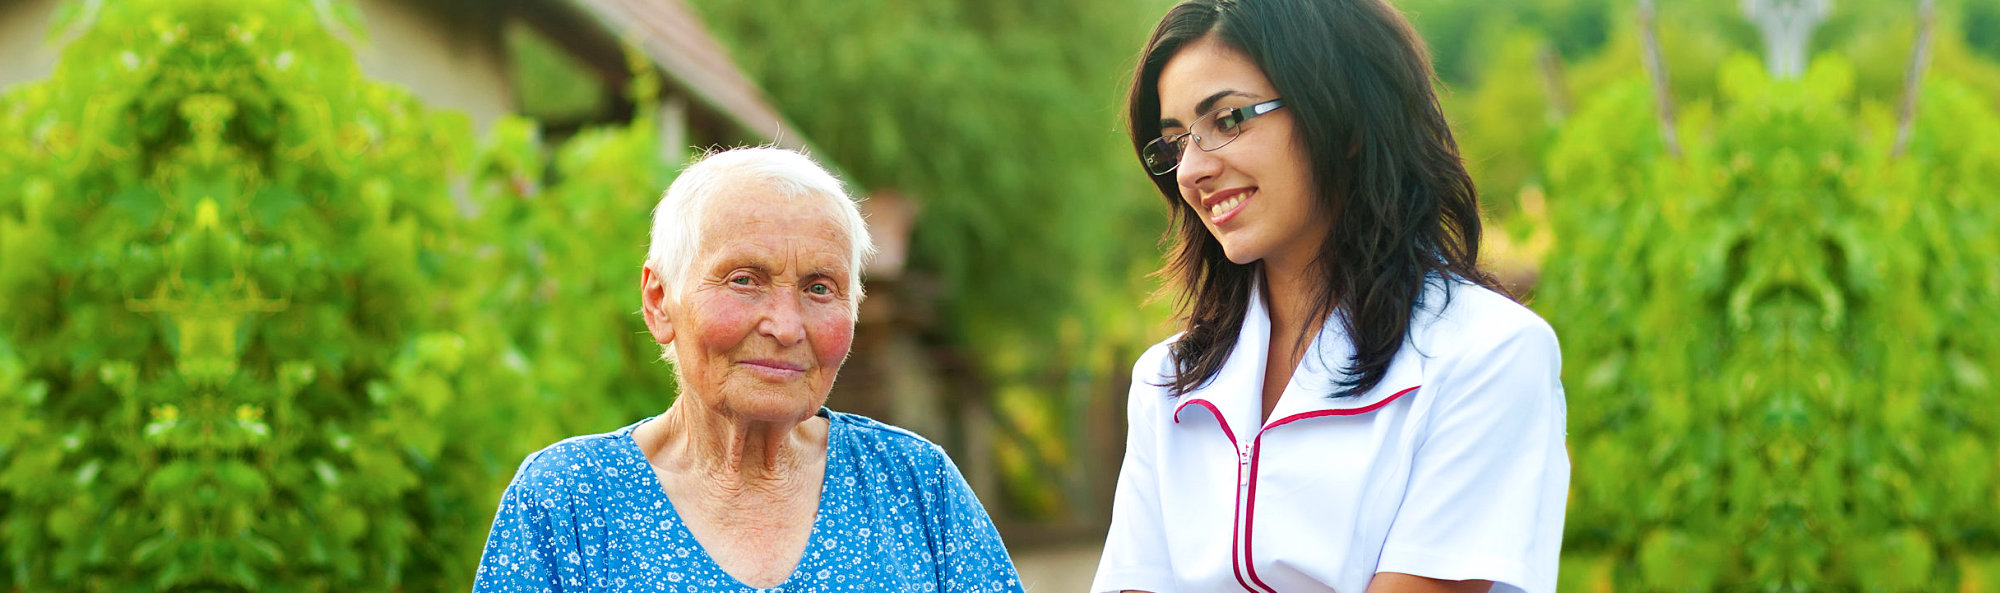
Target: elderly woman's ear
653,304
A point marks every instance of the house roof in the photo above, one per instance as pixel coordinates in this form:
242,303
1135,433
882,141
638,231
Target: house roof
674,37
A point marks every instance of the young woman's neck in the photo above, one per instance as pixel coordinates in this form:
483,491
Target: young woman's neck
1290,292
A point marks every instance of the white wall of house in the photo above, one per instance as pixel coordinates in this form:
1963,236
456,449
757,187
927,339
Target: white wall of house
26,54
447,65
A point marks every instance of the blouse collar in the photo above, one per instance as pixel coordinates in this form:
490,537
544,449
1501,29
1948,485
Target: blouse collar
1236,391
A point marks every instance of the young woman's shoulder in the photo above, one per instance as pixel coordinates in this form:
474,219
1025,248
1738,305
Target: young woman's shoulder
1157,363
1459,317
1151,375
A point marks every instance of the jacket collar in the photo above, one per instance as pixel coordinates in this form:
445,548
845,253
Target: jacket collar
1236,391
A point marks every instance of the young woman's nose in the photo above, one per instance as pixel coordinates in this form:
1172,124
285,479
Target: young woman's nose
1196,167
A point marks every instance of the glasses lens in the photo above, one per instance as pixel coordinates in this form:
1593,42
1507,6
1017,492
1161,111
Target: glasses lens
1161,156
1220,127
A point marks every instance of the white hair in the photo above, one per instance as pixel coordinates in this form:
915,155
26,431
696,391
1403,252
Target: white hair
677,218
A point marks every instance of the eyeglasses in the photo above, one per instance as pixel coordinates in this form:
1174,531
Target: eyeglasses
1209,132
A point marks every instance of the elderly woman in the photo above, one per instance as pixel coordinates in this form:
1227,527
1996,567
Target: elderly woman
746,482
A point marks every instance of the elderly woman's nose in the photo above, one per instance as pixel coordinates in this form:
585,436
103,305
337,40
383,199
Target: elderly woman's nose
784,320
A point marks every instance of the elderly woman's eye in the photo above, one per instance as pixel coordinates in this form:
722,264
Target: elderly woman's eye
820,288
740,280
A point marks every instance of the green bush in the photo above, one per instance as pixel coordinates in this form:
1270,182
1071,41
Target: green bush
1779,345
1036,230
268,326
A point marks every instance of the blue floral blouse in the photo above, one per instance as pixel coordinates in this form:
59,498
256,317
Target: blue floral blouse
588,514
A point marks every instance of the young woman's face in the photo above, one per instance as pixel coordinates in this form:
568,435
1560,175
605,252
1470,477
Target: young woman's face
1254,194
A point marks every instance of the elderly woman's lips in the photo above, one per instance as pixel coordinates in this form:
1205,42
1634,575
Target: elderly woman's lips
776,369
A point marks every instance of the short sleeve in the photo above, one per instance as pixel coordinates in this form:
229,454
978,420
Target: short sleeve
1135,551
971,559
530,535
1490,476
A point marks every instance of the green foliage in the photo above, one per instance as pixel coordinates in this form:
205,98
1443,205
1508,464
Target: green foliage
1777,346
997,117
1001,119
1458,32
1982,29
552,85
1510,82
268,326
1878,40
1515,118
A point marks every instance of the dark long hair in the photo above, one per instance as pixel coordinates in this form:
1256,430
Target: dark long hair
1357,80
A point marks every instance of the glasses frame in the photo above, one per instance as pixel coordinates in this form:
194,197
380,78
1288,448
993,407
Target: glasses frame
1179,142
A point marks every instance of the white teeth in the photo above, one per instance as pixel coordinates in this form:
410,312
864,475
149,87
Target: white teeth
1227,205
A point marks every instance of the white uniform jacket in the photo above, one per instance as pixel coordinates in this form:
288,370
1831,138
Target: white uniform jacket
1453,467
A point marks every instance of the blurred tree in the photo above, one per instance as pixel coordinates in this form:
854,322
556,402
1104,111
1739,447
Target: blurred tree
1774,344
1982,29
554,87
268,326
1721,384
1037,227
1509,84
1878,39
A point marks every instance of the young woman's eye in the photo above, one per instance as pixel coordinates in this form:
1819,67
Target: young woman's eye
1227,121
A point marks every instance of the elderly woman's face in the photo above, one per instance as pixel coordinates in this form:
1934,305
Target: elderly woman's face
765,317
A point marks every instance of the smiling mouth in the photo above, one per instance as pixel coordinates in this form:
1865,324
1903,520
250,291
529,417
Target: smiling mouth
1226,209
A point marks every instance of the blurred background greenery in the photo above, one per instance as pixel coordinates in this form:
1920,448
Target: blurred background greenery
288,287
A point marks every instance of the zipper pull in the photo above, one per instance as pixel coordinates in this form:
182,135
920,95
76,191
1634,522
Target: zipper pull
1243,466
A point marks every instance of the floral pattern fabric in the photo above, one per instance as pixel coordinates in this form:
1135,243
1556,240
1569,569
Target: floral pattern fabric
588,514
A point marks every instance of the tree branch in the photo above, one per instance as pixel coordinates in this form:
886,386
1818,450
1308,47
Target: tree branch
1553,83
1906,114
1656,67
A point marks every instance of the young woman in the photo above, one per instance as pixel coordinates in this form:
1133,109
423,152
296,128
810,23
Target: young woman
1352,405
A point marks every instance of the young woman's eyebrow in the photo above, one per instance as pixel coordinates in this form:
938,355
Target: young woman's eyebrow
1204,106
1208,104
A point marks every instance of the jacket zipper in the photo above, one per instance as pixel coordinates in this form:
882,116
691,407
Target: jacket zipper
1246,504
1240,542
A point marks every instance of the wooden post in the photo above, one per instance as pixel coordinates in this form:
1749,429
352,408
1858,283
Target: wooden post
673,123
1553,83
1906,113
1656,67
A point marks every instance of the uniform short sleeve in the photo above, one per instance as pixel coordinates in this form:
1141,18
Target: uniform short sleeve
1135,551
531,533
1490,475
